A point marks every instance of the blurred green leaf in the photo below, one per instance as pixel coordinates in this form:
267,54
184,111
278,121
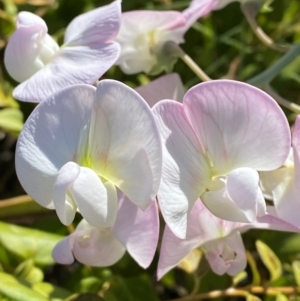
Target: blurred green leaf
14,289
296,270
131,289
282,297
86,297
29,243
11,119
27,271
270,260
90,284
239,277
51,291
251,297
255,273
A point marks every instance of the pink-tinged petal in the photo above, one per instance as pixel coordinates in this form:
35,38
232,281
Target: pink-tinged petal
144,21
196,10
63,203
185,173
29,47
174,249
124,142
96,247
239,200
271,221
137,230
65,70
62,252
53,135
238,125
141,36
227,255
100,25
97,202
168,86
243,188
286,194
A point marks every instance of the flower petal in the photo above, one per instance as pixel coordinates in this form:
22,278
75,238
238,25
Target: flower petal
185,173
227,255
286,194
62,252
26,46
52,136
64,205
137,230
97,202
65,70
125,144
96,247
239,125
174,249
100,25
168,86
240,199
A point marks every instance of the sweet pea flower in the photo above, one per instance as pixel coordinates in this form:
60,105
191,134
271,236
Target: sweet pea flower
83,143
283,184
220,241
33,58
143,35
168,86
134,230
213,145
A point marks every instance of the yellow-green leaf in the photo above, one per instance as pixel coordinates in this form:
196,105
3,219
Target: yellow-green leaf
11,119
282,297
296,270
270,260
12,288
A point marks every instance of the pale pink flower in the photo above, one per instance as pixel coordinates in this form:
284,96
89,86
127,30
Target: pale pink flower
213,145
220,240
168,86
134,230
283,184
81,144
35,60
143,35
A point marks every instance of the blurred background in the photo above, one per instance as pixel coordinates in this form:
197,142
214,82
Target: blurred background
223,44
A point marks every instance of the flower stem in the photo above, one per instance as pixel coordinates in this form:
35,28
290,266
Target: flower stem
283,102
19,206
243,292
268,75
173,49
250,10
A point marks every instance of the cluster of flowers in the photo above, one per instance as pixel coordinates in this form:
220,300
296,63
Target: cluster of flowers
108,152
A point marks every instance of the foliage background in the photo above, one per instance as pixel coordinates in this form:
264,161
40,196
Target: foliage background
225,47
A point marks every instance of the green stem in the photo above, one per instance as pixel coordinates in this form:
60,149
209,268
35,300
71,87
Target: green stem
242,292
19,206
283,102
268,75
250,10
173,49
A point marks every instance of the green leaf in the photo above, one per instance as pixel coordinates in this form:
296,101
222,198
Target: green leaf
296,270
252,298
270,260
12,288
27,271
131,289
51,291
29,243
282,297
86,297
11,119
252,263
